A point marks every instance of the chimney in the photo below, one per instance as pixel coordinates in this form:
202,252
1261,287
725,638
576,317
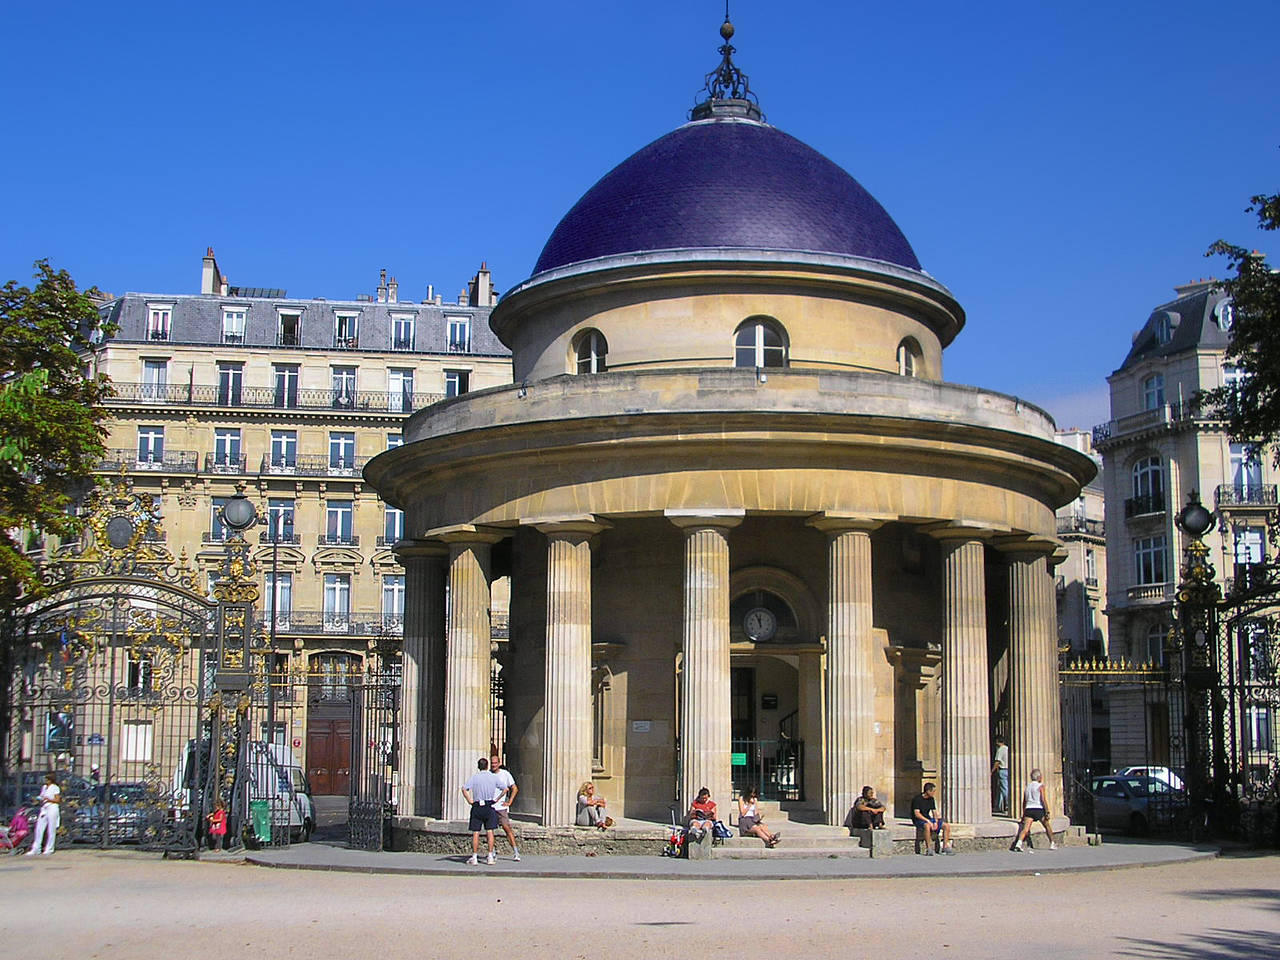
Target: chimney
480,290
393,291
382,286
210,279
431,292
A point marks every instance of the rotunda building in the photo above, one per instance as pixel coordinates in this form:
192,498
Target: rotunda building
753,536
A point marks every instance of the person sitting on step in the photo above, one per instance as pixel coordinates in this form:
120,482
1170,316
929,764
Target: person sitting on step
591,808
750,822
868,811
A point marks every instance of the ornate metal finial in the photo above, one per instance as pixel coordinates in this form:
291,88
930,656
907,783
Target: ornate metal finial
728,93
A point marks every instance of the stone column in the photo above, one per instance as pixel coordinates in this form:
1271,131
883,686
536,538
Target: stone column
422,678
966,720
468,668
566,742
1035,724
850,716
705,709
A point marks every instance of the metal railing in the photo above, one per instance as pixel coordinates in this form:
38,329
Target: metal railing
334,622
1144,505
213,463
312,465
1094,528
170,461
774,767
338,540
1242,495
212,395
285,536
1164,415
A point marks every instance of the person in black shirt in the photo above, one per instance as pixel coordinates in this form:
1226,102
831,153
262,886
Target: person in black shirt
926,818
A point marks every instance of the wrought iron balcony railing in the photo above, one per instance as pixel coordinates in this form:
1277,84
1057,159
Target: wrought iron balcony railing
286,536
215,463
1094,528
312,465
169,461
334,622
1146,504
338,540
1242,495
1166,414
213,395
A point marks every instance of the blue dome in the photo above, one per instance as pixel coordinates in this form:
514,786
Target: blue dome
726,183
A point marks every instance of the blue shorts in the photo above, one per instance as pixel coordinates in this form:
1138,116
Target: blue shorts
484,816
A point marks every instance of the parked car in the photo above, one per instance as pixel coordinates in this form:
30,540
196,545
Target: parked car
123,810
1137,804
1159,773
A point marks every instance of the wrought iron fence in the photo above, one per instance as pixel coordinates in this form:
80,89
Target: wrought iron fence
214,395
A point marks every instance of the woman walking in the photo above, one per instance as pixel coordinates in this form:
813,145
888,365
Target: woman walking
1035,806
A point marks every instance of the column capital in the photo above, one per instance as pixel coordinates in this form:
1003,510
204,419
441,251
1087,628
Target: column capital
417,549
833,523
960,530
467,533
1026,545
582,525
701,519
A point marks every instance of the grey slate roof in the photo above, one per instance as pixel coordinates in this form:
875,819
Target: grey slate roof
197,319
1194,326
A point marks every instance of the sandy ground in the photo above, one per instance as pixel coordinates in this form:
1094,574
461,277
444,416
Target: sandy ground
86,904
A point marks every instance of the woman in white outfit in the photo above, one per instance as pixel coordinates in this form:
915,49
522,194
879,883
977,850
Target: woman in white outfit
48,821
750,822
1035,806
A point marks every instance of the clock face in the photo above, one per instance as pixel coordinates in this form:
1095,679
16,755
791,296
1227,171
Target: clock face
759,624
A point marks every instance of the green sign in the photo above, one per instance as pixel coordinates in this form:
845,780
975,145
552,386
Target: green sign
738,759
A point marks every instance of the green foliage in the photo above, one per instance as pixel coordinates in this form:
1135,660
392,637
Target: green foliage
1252,411
52,422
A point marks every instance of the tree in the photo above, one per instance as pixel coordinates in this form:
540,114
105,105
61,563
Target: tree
1251,408
52,422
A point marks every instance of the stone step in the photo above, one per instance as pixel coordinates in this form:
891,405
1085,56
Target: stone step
791,838
846,851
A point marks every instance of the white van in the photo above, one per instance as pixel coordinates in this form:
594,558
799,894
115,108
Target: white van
274,777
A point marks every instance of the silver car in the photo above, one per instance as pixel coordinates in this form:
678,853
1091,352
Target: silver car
1137,805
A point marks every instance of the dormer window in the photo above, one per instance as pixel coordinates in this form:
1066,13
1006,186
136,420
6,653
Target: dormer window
908,357
1164,329
1153,392
159,316
1225,313
459,329
591,351
760,342
402,331
233,322
290,332
345,335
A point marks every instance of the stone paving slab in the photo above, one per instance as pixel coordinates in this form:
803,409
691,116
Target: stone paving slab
1112,855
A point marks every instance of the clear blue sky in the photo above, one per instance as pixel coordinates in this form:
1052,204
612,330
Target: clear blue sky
1058,166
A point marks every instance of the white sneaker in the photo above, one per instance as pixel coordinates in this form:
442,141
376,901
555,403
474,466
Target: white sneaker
1017,848
515,855
491,859
1053,846
472,860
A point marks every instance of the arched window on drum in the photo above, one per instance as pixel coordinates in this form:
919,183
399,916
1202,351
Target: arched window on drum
909,357
590,348
760,342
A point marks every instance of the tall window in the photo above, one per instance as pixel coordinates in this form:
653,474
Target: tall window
343,380
1246,470
1233,377
760,343
393,525
278,598
280,519
217,528
591,352
286,384
1259,734
138,673
230,384
402,332
289,333
395,440
158,318
284,448
399,390
1155,643
1255,651
338,521
1153,392
233,324
344,330
459,334
393,599
342,450
1149,560
226,447
456,382
337,600
1148,487
908,357
1164,328
135,741
150,445
155,379
1090,567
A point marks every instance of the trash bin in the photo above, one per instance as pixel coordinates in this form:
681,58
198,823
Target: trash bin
260,817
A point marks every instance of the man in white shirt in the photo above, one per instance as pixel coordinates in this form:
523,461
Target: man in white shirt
1000,769
481,790
504,801
47,823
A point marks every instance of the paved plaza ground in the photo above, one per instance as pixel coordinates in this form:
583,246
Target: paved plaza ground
89,904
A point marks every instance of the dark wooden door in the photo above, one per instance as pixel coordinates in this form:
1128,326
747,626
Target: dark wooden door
329,755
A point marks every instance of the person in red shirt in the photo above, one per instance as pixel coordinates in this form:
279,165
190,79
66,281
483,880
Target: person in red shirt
217,826
702,814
